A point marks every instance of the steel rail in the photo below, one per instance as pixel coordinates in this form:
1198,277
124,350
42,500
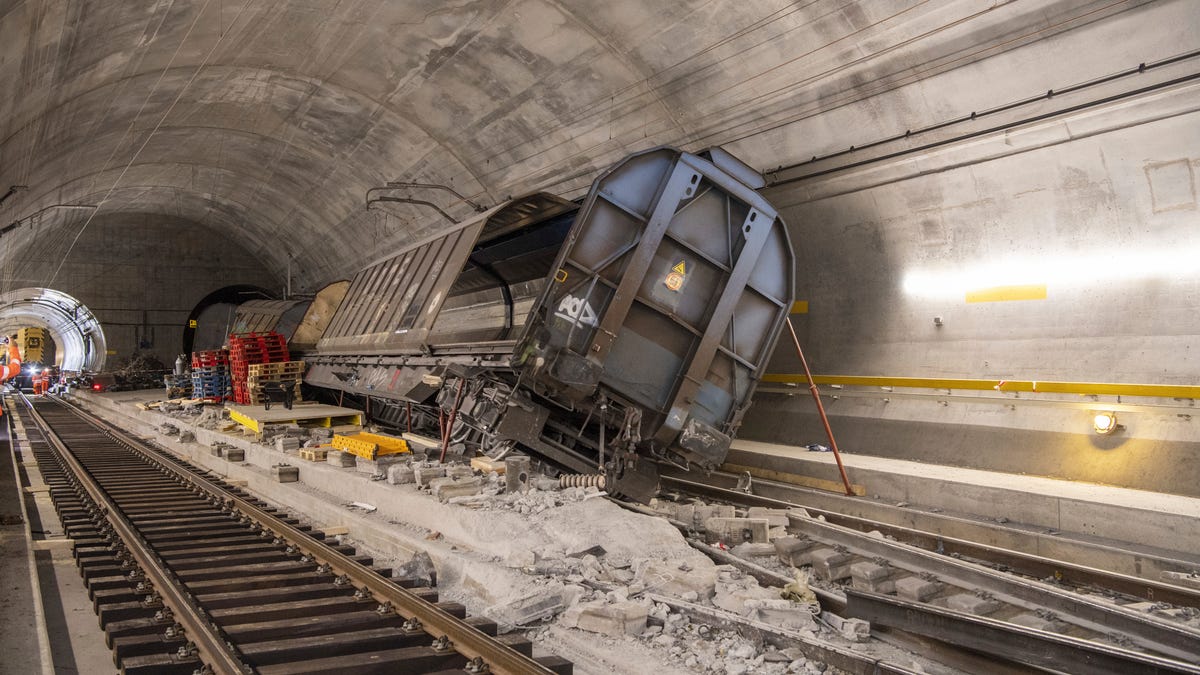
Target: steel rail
1038,648
467,640
1176,640
1018,561
1173,639
211,648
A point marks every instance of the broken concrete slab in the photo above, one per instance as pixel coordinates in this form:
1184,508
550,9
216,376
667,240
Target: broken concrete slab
342,459
528,610
447,488
424,474
752,550
287,443
851,629
677,580
285,473
780,612
620,618
379,465
401,474
776,517
733,596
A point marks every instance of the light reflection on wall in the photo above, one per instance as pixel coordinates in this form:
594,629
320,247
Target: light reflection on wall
1068,270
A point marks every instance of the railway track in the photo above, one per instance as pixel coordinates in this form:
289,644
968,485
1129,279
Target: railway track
1009,605
191,575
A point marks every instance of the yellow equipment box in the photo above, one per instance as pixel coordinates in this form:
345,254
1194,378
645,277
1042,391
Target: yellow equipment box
368,445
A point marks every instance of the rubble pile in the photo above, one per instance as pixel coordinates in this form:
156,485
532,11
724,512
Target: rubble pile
567,560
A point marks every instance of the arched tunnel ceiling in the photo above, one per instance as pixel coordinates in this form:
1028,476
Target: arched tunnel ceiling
267,121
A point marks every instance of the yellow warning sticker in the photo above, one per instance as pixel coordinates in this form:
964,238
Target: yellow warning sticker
192,323
676,277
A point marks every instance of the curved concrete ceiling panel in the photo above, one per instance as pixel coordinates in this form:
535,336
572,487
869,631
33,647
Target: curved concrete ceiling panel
268,121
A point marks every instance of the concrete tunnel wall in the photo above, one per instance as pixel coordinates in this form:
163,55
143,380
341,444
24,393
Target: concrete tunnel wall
140,274
1105,224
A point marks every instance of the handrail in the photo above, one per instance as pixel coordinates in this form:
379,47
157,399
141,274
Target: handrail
1006,386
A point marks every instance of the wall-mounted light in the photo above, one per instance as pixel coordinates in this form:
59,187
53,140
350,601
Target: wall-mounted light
1105,423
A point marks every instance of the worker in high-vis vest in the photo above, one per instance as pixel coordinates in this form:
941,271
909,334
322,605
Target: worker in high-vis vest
13,367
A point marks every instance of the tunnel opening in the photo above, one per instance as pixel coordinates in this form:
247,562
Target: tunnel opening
53,328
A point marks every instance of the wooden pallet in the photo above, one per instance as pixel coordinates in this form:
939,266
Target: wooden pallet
314,454
254,418
275,370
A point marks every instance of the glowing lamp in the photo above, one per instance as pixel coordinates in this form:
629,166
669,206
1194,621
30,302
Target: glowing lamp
1105,423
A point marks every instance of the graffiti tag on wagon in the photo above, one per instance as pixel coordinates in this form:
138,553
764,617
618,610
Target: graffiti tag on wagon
577,311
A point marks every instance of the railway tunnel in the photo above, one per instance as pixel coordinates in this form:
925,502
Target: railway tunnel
607,320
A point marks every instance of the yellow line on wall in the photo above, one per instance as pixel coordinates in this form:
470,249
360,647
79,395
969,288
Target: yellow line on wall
1036,386
800,307
1007,293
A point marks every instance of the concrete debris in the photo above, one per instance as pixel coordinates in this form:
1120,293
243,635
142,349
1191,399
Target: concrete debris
530,609
186,436
732,597
560,559
751,550
619,618
692,514
379,465
459,471
775,517
446,488
342,459
856,630
732,531
669,578
401,474
423,474
419,571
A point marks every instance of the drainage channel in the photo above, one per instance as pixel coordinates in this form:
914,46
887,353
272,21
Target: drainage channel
191,575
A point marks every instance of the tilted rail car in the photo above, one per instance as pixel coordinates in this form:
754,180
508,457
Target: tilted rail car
596,336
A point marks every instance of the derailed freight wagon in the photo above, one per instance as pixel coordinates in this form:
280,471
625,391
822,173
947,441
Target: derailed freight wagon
635,325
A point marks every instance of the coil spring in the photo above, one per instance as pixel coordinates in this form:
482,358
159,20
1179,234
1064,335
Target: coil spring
595,480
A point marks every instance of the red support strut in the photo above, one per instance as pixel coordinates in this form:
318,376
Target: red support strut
812,386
